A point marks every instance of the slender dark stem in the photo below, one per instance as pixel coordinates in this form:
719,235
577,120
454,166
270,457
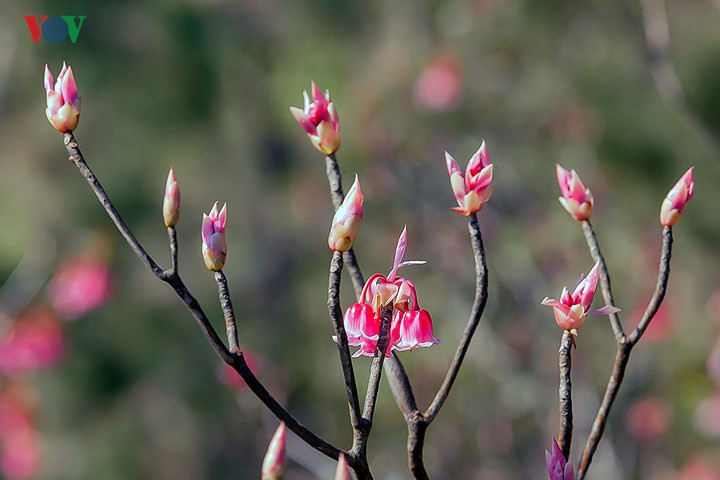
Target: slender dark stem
228,312
481,295
77,158
565,395
341,339
396,375
657,298
377,363
172,238
604,279
235,360
623,356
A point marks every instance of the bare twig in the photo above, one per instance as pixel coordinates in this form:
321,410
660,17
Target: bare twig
172,238
623,356
481,295
377,363
341,338
228,312
235,360
604,279
396,375
565,394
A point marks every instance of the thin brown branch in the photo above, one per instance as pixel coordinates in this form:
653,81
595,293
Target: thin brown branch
481,295
235,360
377,363
172,238
565,394
605,287
623,356
396,375
660,288
341,338
228,312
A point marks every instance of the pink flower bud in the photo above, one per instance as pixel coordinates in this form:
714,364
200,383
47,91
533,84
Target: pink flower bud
214,249
347,220
677,199
573,308
171,201
273,467
63,102
343,470
558,466
576,199
320,120
472,190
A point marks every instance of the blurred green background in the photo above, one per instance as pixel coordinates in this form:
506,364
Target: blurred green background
205,85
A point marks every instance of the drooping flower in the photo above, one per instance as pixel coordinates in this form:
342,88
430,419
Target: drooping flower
343,470
472,190
558,466
410,327
80,286
273,467
63,102
347,220
320,120
171,201
677,199
214,248
576,199
573,308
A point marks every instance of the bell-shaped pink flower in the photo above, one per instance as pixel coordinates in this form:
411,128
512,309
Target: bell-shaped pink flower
573,308
410,326
214,248
558,466
677,199
171,201
343,470
63,102
474,189
320,120
576,199
347,220
273,467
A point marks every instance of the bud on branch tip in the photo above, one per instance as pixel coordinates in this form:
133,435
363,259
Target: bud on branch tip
171,201
62,100
347,220
214,249
472,190
573,308
576,199
677,199
320,120
273,467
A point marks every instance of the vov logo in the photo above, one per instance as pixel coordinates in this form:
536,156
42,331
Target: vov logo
54,29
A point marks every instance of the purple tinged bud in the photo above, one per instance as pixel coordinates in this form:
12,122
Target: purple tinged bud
171,201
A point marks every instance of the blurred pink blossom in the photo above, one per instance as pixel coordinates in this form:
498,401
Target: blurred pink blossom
439,86
33,342
19,449
648,418
698,469
80,286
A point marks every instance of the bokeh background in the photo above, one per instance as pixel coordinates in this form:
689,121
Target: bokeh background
105,375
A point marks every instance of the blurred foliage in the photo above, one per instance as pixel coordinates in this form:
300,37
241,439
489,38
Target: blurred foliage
204,86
